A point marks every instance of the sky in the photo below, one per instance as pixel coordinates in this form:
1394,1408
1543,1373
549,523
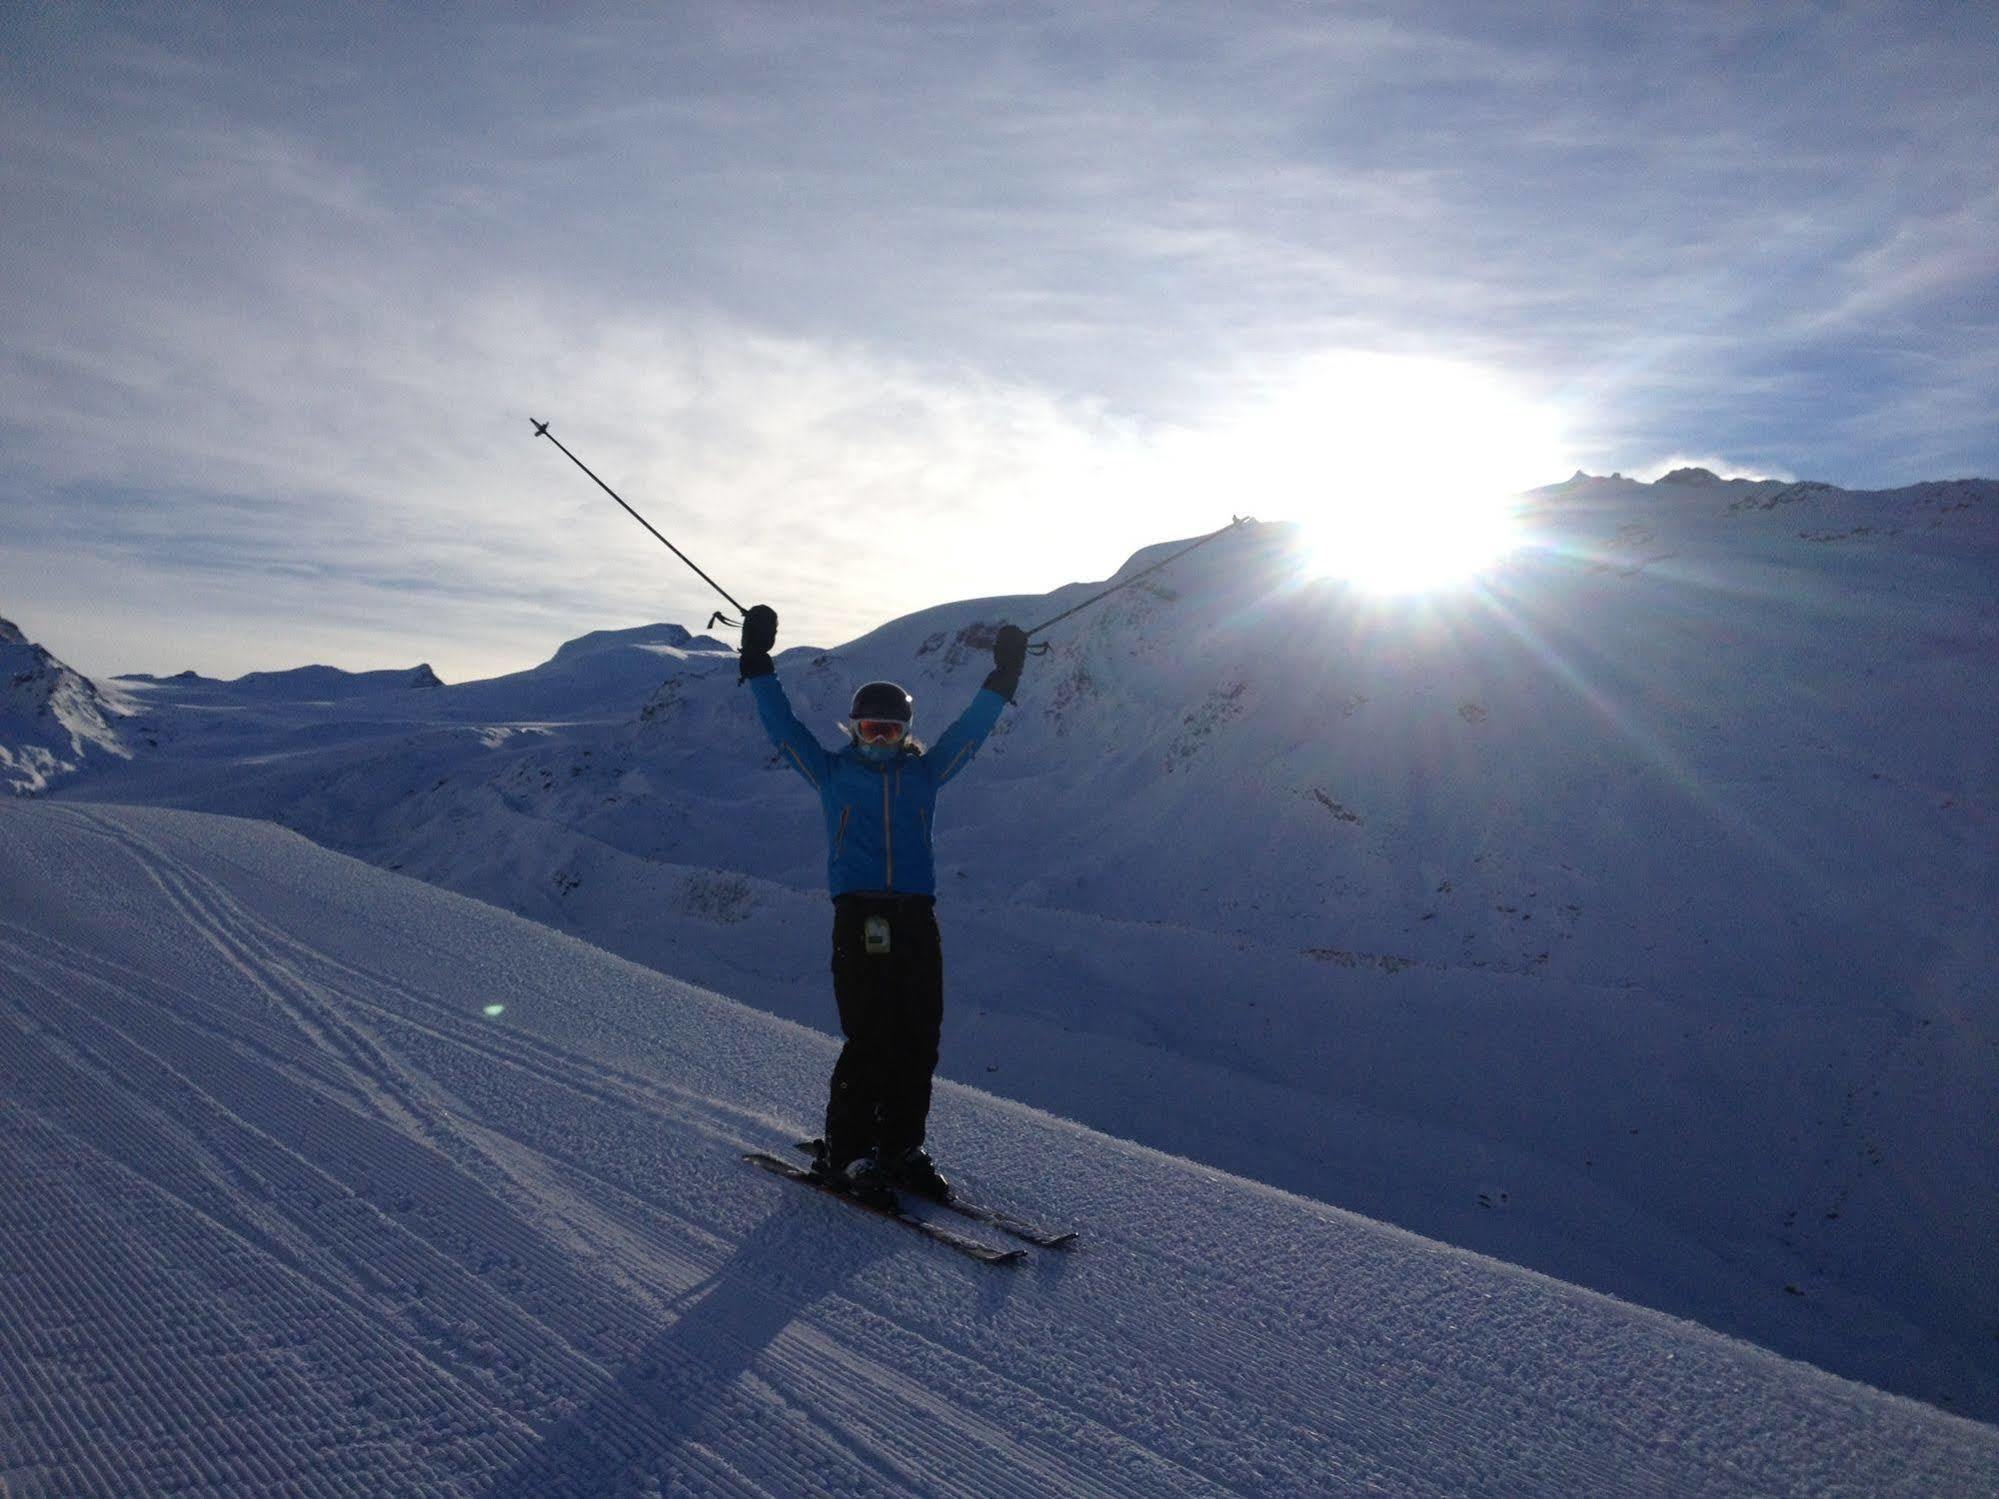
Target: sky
874,306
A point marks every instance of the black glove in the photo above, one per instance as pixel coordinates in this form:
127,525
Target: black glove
759,635
1009,656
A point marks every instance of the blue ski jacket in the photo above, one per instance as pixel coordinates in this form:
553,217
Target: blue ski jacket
878,812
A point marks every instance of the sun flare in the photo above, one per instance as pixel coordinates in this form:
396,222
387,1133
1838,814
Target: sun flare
1403,471
1409,539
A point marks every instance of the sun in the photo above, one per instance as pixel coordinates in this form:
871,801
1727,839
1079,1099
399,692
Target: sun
1403,471
1411,537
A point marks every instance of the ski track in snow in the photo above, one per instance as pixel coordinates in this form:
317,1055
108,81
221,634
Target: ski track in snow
282,1211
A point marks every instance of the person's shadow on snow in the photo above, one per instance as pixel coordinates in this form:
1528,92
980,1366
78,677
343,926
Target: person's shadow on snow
684,1386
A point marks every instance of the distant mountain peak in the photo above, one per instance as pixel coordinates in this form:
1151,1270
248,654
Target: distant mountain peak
1690,476
423,676
10,633
677,637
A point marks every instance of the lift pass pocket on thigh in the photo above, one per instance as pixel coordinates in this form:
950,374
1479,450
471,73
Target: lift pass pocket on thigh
874,932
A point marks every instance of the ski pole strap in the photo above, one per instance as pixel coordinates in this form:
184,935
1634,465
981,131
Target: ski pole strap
1095,598
541,430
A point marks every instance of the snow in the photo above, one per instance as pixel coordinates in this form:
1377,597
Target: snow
283,1210
302,684
51,719
1627,919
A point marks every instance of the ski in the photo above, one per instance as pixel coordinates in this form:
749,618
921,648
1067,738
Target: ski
936,1232
1006,1223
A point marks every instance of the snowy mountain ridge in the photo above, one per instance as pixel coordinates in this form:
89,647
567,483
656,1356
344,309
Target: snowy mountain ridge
662,639
52,721
1546,918
304,684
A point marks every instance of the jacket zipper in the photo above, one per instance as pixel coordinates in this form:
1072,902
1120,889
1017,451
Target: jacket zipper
841,836
888,832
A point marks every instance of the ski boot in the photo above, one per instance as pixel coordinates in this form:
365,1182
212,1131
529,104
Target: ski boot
914,1171
862,1179
822,1167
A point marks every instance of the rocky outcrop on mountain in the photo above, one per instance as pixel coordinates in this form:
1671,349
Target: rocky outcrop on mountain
52,719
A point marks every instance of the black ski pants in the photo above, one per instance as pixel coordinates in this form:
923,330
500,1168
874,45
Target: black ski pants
891,1012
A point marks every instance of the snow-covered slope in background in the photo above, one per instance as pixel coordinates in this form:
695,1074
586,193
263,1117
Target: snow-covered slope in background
600,675
1627,918
284,1210
302,684
51,719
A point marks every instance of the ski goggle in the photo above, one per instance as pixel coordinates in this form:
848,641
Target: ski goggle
880,730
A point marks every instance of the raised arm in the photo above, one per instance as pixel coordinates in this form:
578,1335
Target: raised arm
955,747
794,742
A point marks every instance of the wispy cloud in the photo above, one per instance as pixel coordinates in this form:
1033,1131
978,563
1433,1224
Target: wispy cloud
405,486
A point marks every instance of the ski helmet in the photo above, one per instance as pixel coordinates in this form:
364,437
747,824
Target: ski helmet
882,700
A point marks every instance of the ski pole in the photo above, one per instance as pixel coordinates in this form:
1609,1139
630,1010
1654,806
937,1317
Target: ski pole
541,430
1135,577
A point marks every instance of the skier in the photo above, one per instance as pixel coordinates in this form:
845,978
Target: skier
878,791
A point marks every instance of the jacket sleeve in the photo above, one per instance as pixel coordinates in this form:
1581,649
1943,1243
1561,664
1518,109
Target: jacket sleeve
955,747
794,741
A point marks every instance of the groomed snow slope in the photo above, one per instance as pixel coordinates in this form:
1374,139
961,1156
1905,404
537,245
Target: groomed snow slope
280,1209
